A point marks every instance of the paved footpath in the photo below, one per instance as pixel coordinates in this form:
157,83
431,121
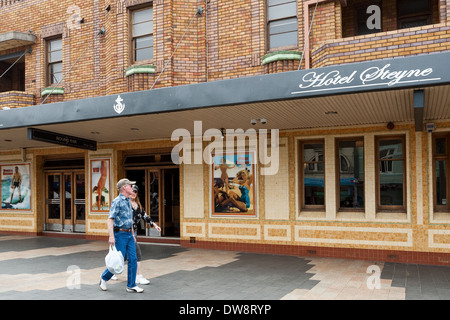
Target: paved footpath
49,268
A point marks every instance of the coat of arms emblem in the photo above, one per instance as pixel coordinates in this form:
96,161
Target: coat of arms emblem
119,106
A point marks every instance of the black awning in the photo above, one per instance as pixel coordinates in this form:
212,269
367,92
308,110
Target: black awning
387,74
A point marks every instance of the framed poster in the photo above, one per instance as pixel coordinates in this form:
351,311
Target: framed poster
16,187
233,184
100,186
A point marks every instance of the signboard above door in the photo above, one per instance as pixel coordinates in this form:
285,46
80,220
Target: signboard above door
61,139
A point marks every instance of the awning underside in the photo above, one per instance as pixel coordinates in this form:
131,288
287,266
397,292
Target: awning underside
361,109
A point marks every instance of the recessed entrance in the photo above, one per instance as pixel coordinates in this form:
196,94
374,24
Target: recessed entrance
159,193
65,200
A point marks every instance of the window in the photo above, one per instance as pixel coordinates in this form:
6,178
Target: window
142,34
313,174
414,13
12,69
54,61
282,23
391,173
440,169
351,173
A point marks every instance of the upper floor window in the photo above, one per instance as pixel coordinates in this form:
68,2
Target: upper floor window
360,17
12,70
142,34
413,13
282,23
54,61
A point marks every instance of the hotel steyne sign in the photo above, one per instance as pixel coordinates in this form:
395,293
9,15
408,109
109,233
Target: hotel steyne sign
376,77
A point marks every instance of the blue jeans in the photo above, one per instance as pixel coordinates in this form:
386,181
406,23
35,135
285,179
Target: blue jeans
125,244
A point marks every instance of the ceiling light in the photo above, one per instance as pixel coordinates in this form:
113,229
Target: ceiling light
255,121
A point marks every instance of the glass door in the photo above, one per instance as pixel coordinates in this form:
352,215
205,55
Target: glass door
154,200
80,203
164,199
65,202
53,202
170,199
68,204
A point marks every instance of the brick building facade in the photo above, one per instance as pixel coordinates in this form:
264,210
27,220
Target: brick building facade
362,167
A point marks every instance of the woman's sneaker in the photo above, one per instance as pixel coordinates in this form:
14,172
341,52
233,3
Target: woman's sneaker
141,280
135,289
102,284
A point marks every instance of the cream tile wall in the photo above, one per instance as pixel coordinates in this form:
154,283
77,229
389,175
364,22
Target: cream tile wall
276,199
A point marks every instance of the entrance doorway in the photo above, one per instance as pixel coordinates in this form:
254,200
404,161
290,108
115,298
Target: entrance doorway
65,204
159,193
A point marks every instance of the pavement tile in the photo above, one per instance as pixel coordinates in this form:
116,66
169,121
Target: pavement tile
47,268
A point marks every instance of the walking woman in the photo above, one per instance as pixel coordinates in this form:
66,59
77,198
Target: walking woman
138,214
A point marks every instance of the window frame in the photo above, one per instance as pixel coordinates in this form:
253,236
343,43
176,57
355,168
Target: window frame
302,165
441,207
269,48
132,56
381,207
338,173
48,64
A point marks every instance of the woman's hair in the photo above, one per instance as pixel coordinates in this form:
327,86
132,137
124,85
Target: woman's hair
138,201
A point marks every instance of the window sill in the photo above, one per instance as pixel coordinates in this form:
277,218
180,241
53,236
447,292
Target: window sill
391,216
441,217
281,55
351,216
52,90
146,68
312,215
358,216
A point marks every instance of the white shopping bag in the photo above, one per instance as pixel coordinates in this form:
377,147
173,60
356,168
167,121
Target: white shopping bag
114,261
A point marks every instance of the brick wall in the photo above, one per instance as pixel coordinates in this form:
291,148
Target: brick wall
226,41
16,99
419,40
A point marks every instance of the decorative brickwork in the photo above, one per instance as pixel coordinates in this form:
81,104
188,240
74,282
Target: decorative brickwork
390,44
4,3
16,99
281,61
140,81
